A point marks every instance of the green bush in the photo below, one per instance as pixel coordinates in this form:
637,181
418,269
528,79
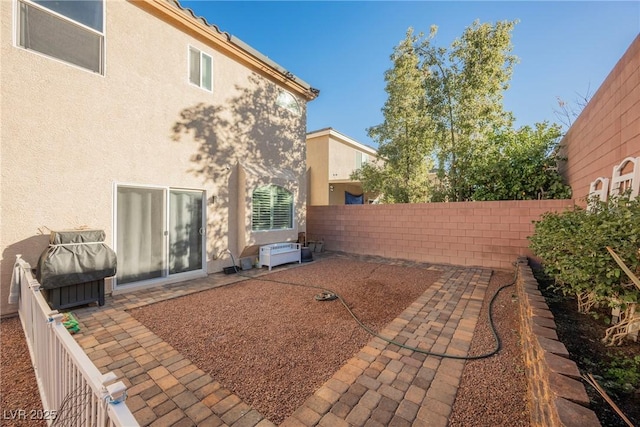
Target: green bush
572,246
624,371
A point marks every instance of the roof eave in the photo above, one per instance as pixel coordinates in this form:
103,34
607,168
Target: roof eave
176,15
344,139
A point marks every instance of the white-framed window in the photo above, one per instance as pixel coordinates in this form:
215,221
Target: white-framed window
289,102
361,159
70,31
200,69
272,208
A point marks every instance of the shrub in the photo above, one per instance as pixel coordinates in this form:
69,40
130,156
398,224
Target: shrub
624,372
572,246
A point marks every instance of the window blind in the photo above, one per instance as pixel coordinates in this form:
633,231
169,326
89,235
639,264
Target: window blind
60,38
272,208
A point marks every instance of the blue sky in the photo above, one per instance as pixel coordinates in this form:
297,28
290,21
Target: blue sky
565,49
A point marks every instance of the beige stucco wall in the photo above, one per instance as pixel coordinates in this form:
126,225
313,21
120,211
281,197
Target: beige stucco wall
69,135
342,160
337,196
318,165
252,176
331,159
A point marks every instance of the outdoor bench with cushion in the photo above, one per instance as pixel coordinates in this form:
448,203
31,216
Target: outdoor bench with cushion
279,253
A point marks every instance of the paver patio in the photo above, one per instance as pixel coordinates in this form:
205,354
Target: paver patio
383,384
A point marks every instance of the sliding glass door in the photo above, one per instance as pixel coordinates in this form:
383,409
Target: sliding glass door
159,233
186,231
140,234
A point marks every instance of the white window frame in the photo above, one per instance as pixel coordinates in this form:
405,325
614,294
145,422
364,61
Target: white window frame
361,159
191,48
291,100
271,207
102,34
626,182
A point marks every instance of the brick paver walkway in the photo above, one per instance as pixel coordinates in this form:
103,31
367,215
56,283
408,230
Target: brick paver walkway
383,385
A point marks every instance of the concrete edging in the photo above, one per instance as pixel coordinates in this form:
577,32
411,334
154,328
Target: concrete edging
555,393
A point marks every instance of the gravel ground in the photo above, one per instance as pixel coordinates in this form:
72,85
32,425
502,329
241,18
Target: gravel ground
492,391
18,388
273,344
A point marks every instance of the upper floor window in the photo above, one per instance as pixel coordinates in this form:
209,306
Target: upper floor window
272,208
361,159
71,31
288,101
200,69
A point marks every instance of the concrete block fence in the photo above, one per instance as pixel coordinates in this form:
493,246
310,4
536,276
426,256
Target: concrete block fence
608,129
486,234
556,395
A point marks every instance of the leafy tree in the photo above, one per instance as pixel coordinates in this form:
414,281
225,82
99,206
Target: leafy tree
464,88
519,165
406,136
445,107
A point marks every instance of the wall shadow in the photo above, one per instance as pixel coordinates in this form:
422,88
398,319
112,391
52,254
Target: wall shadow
30,249
248,128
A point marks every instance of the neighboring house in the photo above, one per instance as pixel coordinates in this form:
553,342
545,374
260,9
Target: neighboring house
602,146
177,139
331,159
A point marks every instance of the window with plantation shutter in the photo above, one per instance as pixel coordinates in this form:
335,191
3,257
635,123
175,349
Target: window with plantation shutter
272,208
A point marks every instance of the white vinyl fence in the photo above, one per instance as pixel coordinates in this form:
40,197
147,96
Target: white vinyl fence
72,389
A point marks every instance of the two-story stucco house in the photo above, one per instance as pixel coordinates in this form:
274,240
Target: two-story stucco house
178,140
331,159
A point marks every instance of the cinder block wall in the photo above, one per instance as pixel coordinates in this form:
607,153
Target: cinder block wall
608,129
487,234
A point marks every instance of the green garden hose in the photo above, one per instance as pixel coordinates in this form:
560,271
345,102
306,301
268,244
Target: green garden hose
328,294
